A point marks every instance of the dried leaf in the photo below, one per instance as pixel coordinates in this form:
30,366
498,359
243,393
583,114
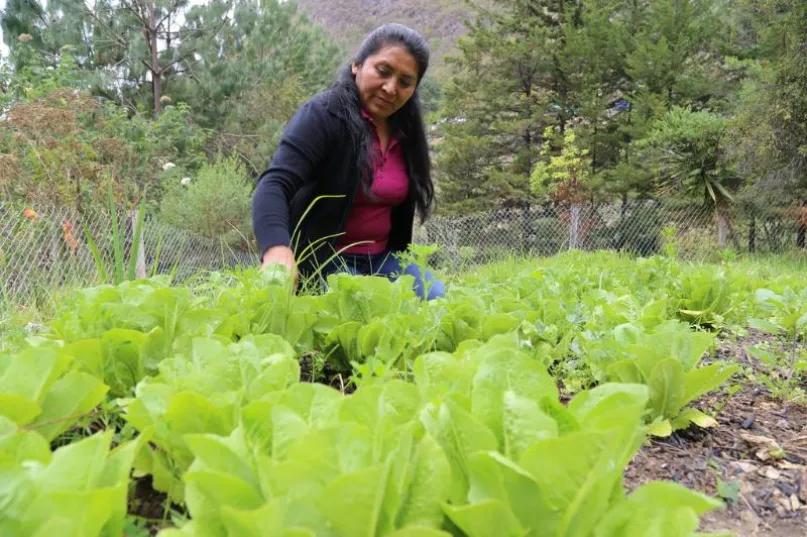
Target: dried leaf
767,447
770,473
743,466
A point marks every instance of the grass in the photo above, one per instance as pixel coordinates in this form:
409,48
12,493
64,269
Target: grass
20,315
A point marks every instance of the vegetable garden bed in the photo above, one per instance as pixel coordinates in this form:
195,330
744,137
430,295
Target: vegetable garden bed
564,397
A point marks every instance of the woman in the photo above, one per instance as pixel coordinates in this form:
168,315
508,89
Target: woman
352,168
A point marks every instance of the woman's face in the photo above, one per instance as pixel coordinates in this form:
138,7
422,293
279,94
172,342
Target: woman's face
386,80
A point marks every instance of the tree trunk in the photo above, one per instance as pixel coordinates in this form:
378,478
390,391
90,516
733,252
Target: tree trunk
155,59
802,234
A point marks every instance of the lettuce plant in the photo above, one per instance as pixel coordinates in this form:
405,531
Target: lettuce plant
41,389
666,360
80,490
201,392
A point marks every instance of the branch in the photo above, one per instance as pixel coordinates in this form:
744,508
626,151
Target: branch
170,12
193,75
140,15
214,29
150,68
159,69
178,60
114,35
42,19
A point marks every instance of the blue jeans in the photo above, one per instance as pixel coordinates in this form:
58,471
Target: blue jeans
386,264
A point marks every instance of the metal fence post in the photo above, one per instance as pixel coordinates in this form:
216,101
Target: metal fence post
140,263
574,227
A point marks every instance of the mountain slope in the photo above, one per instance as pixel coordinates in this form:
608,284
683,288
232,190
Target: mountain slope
349,21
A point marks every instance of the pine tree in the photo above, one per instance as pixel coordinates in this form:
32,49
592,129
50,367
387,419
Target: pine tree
265,43
509,85
769,130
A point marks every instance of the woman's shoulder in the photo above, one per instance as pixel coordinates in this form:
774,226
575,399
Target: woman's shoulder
315,114
322,111
324,101
316,124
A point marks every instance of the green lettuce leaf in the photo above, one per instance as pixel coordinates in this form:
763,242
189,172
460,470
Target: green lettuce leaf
505,371
656,510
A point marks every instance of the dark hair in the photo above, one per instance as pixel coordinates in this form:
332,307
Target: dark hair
408,121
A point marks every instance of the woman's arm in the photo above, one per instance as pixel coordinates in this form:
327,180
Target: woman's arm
304,143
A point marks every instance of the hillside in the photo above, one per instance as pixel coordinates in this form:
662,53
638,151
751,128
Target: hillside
348,21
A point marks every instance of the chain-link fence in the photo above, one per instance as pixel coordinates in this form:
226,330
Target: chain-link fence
49,249
640,227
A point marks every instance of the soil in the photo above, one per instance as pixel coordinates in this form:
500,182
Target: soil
325,374
148,505
756,459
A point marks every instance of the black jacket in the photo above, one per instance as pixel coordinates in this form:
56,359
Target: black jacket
315,158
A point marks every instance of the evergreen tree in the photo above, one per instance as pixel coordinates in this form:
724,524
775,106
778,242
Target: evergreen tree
508,86
608,68
265,43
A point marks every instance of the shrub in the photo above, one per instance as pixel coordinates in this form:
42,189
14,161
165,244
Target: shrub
215,204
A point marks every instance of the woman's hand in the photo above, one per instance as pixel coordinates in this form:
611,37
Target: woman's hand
281,255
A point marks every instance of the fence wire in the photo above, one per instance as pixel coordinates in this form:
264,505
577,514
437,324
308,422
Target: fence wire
46,248
640,227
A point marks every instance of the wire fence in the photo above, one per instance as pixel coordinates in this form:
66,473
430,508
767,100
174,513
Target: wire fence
640,227
46,248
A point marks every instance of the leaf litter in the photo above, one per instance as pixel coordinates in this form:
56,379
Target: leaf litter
756,460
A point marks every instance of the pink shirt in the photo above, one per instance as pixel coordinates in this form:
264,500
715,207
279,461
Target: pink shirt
371,219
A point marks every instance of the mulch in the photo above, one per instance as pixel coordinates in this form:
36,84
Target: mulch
756,459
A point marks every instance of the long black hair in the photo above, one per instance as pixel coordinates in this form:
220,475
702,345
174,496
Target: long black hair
408,121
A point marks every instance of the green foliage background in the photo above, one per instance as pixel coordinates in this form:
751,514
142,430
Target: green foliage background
701,101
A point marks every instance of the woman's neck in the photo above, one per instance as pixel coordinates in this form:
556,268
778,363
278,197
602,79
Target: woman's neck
382,128
381,124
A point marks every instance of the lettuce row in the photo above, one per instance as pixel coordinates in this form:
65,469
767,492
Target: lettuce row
204,391
478,445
